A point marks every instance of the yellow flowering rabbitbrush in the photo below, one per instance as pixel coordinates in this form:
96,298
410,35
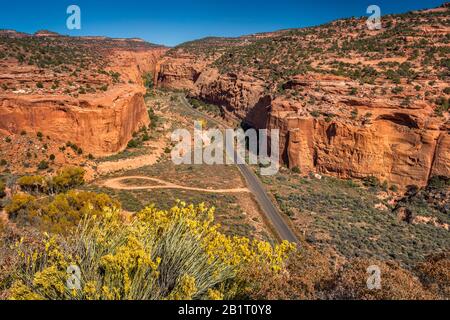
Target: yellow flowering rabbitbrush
160,254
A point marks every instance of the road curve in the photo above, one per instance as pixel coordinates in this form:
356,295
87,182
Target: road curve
117,183
254,184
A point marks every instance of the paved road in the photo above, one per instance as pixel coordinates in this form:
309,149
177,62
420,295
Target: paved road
256,187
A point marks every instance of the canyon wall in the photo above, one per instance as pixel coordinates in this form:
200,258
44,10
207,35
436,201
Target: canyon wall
100,122
404,145
133,64
100,125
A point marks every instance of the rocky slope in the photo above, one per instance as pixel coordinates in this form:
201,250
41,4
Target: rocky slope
349,101
87,91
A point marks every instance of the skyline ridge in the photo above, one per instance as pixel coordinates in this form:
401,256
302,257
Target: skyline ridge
158,27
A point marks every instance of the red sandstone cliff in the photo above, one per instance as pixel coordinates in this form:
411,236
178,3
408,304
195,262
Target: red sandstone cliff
97,103
334,124
101,124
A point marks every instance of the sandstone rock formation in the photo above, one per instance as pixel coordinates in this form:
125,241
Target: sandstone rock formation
93,96
347,102
101,125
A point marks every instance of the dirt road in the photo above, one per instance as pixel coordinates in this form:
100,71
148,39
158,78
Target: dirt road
117,183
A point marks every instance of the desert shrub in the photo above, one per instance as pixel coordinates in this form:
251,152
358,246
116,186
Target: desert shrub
32,184
148,80
145,137
175,254
434,273
133,143
43,165
2,189
439,182
315,114
3,162
305,276
74,147
393,188
59,214
397,90
22,204
350,283
372,182
9,260
154,119
296,170
442,105
68,178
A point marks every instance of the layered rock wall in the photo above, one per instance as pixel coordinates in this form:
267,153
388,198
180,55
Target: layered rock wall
398,144
99,125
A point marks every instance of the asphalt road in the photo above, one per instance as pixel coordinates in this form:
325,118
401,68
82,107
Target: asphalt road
256,187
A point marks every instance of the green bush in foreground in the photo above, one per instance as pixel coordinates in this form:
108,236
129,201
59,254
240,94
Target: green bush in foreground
66,179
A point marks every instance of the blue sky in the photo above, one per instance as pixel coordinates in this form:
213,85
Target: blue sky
173,22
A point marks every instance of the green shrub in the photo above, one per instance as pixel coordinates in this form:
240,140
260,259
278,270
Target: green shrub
397,90
371,181
296,170
133,144
394,188
2,189
439,182
148,80
315,114
43,165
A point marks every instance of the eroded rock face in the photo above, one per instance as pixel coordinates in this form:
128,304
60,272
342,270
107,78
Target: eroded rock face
97,104
100,125
402,145
386,150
